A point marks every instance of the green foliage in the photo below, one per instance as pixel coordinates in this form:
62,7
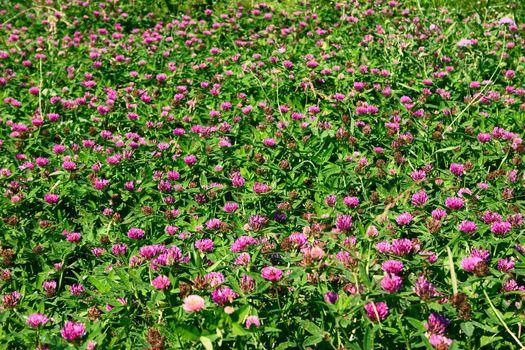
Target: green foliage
374,91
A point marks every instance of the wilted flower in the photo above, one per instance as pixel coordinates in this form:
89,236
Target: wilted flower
49,286
247,284
424,289
476,262
505,265
243,259
331,200
76,289
257,222
10,300
437,324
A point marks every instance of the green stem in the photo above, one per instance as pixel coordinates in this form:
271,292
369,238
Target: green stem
278,300
402,329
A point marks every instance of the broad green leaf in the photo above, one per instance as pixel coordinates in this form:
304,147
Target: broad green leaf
206,342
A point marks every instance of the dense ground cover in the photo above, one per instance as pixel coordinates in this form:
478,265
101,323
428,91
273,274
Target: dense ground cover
250,175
